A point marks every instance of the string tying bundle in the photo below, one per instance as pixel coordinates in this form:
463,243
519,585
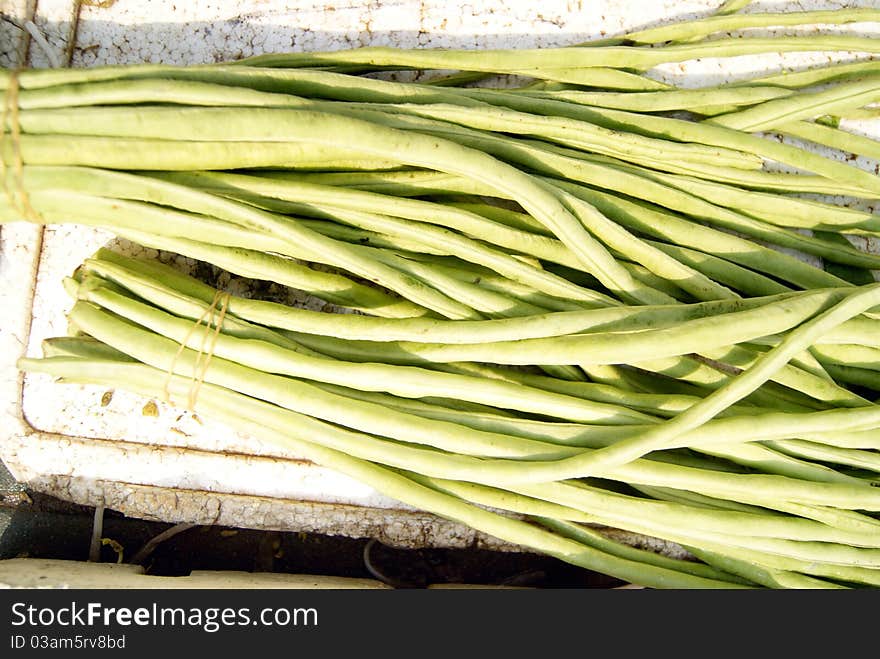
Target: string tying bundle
213,319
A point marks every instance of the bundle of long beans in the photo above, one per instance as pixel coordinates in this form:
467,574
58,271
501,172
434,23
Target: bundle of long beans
575,303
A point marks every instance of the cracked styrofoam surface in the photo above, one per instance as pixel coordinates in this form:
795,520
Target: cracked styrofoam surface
171,466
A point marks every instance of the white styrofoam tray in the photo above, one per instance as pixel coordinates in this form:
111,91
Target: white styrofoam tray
71,441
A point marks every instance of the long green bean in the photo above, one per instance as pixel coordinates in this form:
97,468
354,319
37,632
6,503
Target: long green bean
855,356
727,20
172,155
781,210
853,375
541,60
772,113
627,347
816,75
836,139
860,459
693,100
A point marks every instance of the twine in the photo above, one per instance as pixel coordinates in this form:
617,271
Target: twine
213,324
21,201
223,300
7,95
